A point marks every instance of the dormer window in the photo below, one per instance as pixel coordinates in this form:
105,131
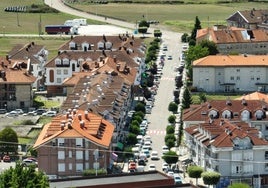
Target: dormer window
245,115
259,114
213,114
72,46
65,62
227,114
108,45
57,62
100,45
85,46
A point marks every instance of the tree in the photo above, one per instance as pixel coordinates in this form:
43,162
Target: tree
137,118
197,26
131,139
184,37
172,119
192,54
142,30
144,23
23,177
173,107
170,157
212,47
211,178
202,97
170,143
134,129
170,137
157,33
140,107
187,99
195,172
139,113
239,185
8,140
170,129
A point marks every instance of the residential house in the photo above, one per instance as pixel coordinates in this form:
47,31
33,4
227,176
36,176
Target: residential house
15,85
234,149
106,90
122,48
35,55
226,73
231,40
249,111
249,19
73,142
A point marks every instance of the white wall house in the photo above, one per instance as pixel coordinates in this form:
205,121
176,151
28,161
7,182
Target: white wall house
235,150
225,73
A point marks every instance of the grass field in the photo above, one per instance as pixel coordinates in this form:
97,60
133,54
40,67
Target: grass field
178,17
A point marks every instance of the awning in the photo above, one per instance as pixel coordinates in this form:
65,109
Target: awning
120,145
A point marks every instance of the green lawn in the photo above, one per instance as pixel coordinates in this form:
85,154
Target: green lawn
195,97
179,17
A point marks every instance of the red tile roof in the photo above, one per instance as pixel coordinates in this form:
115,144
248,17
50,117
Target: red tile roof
232,61
254,96
221,133
77,124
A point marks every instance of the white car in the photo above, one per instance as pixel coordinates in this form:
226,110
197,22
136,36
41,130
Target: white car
147,145
170,173
152,167
147,138
12,114
164,166
165,149
50,114
154,155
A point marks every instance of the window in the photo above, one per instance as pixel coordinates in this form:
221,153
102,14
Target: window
65,71
79,167
79,154
258,78
51,76
70,166
79,142
238,78
231,78
266,154
237,70
70,154
266,166
58,72
53,142
58,80
61,155
61,141
61,167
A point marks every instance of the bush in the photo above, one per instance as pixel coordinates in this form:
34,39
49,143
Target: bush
92,172
170,137
170,129
172,119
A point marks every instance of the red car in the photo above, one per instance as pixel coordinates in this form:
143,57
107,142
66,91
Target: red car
132,166
6,158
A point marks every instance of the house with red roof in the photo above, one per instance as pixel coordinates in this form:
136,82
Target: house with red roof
236,150
87,53
232,40
231,73
249,19
15,85
74,142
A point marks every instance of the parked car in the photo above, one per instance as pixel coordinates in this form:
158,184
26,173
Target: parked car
19,111
164,166
33,113
132,165
40,111
12,114
154,155
177,179
141,162
50,114
152,167
6,159
3,111
29,161
165,149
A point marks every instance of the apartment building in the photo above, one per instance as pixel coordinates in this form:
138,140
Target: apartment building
73,142
226,73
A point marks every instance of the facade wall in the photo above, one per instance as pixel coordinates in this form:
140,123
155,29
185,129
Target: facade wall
64,157
230,79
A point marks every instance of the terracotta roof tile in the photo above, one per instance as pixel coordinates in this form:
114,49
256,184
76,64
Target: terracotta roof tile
83,125
255,96
231,60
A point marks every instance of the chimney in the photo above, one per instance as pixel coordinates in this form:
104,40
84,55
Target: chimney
62,125
86,115
80,117
82,124
69,125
